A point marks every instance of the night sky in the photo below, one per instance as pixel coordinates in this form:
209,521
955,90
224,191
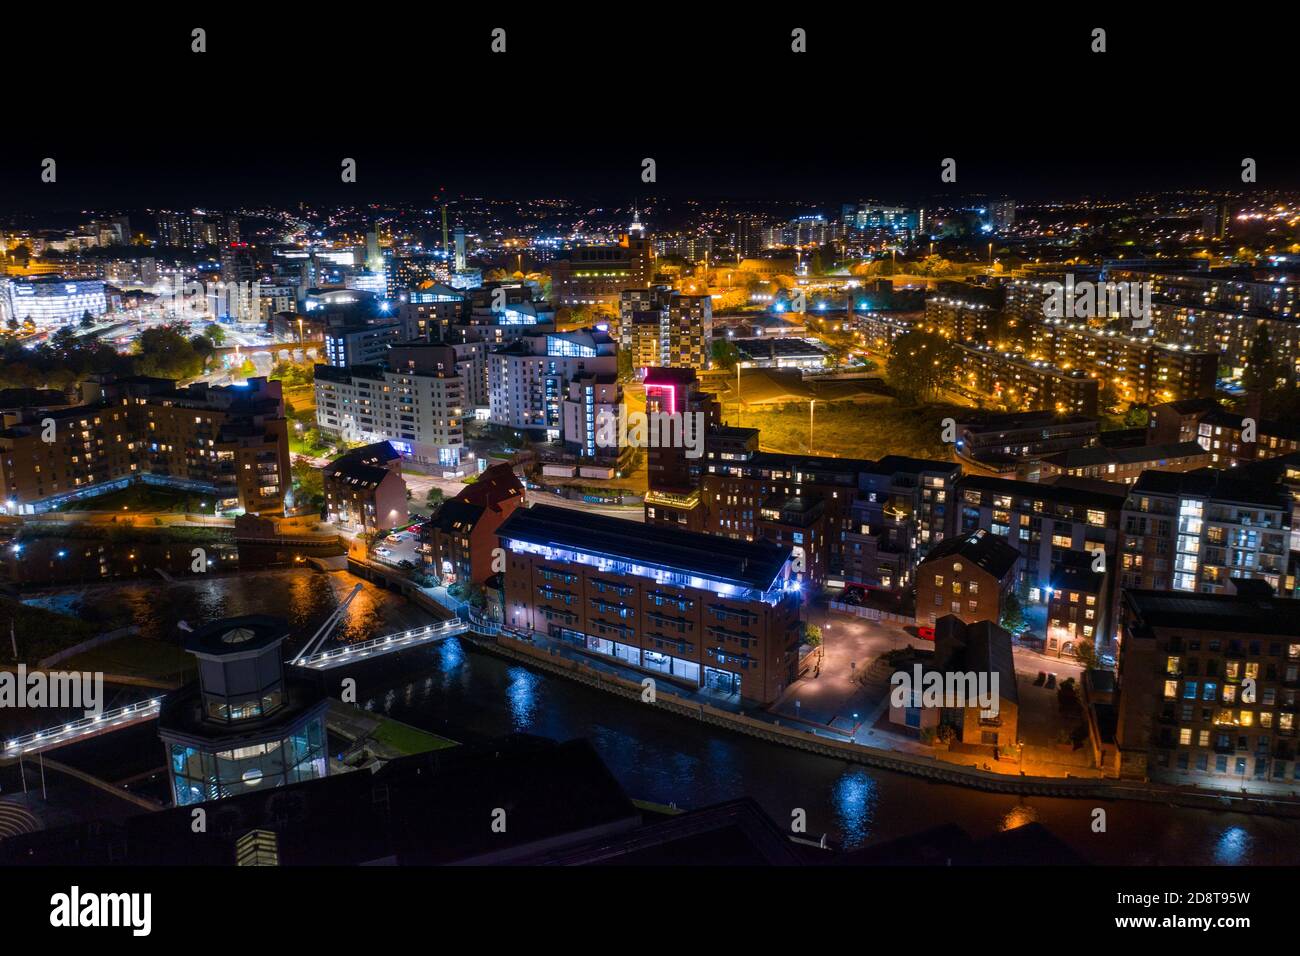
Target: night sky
268,113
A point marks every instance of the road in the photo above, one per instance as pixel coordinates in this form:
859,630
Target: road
419,486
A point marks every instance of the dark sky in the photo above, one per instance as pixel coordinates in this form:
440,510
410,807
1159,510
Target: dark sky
579,99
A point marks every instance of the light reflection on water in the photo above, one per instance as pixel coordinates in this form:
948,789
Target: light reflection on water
1232,847
1018,816
665,759
855,797
521,696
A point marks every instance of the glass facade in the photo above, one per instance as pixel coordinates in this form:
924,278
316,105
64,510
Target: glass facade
199,775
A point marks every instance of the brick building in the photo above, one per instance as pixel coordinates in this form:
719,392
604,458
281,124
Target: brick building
967,576
701,610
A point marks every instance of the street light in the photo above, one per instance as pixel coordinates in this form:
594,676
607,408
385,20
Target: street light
812,402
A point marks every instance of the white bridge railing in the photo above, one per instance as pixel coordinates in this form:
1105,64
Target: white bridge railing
83,727
351,653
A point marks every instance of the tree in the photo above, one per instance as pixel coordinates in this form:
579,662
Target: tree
1262,367
1086,654
87,320
812,634
625,370
434,497
308,484
919,364
724,354
215,333
1013,614
164,352
1137,416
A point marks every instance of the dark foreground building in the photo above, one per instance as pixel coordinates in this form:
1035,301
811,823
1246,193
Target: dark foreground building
245,725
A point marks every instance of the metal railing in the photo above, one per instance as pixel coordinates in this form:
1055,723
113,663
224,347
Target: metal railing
83,727
352,653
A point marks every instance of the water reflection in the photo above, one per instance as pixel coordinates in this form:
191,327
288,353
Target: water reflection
1018,816
459,691
522,697
1232,847
854,798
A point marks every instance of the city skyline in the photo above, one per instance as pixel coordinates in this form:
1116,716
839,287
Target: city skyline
866,441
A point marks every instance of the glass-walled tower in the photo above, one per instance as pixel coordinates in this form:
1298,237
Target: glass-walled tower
245,725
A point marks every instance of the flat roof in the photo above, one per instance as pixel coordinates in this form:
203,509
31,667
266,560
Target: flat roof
750,564
1231,613
1211,483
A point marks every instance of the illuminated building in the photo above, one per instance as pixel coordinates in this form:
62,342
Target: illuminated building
244,726
964,648
360,344
419,411
904,507
968,576
893,219
692,608
429,312
592,399
1123,465
1141,370
49,301
1222,433
1002,215
597,274
673,478
1195,531
780,352
1076,604
1043,522
1023,384
1001,442
1207,689
737,479
230,442
364,490
528,379
460,540
662,327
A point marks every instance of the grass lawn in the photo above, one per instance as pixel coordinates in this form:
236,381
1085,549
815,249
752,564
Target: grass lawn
847,430
136,656
140,498
408,739
39,632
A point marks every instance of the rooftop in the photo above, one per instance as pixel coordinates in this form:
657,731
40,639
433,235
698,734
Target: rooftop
1210,483
748,564
989,552
1230,613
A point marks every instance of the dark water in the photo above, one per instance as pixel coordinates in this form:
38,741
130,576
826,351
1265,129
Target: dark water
454,688
303,597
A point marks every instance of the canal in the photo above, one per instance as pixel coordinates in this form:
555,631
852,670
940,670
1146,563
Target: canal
455,688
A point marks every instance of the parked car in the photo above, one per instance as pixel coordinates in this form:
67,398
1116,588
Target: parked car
383,551
406,565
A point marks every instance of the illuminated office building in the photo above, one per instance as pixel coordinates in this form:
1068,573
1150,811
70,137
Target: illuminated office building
693,608
50,301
